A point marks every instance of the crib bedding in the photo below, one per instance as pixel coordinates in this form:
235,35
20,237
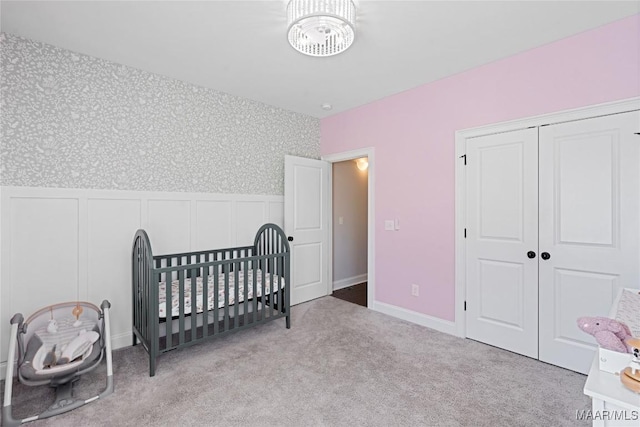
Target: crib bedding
175,291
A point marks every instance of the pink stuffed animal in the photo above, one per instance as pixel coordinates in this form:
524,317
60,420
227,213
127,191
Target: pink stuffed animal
609,333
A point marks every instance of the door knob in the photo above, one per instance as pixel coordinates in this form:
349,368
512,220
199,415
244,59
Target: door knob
531,254
290,238
545,255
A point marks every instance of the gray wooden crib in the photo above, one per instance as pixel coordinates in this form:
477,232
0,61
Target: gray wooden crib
234,289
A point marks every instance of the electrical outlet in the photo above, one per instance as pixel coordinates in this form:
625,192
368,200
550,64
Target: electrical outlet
388,225
415,290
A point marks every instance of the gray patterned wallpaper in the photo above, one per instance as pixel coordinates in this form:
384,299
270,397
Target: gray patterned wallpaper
74,121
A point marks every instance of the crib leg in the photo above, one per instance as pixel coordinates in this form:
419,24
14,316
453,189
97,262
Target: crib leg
288,319
152,366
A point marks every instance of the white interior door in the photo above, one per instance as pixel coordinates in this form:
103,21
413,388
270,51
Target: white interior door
589,226
306,197
502,228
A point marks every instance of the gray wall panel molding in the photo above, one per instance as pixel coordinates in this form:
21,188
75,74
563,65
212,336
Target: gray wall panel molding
73,121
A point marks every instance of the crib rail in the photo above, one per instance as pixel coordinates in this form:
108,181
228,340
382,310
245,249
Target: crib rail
207,293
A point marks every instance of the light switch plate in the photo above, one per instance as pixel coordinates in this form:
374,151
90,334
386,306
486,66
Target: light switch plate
340,220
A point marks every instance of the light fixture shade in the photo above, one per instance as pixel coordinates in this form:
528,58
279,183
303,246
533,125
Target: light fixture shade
321,27
362,163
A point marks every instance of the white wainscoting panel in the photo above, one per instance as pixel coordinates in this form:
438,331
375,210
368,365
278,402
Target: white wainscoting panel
214,224
43,253
109,235
253,215
169,225
276,213
75,244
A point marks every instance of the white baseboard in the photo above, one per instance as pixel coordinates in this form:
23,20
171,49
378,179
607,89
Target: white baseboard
121,340
431,322
349,281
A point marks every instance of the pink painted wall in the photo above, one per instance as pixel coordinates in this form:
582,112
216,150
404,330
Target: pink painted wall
414,138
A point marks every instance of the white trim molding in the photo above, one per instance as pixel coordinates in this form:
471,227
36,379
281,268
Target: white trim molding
349,281
368,152
461,136
445,326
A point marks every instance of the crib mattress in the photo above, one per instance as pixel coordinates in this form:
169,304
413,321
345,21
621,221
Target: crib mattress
175,291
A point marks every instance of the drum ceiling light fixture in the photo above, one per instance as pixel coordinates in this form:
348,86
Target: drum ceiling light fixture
321,27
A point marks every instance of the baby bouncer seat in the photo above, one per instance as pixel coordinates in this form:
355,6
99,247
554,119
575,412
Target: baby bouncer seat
56,345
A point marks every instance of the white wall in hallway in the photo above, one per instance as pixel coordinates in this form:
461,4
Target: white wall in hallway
350,237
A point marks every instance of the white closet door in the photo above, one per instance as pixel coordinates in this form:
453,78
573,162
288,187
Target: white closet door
502,227
589,226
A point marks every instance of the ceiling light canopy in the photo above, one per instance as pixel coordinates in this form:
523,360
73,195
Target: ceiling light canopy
321,27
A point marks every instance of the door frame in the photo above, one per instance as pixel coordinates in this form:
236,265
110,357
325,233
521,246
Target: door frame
461,136
368,152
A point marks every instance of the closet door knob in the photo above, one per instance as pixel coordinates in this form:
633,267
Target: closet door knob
531,254
290,238
545,255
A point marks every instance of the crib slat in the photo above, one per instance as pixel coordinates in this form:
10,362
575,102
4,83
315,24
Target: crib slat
181,305
194,303
264,295
205,299
276,272
236,305
168,308
145,292
271,287
245,282
154,340
226,297
141,295
271,252
216,299
254,273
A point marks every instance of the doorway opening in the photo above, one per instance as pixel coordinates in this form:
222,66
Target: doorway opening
349,231
354,155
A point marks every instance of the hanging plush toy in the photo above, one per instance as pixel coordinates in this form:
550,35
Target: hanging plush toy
609,333
77,311
52,326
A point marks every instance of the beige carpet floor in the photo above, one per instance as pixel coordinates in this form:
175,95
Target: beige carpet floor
339,365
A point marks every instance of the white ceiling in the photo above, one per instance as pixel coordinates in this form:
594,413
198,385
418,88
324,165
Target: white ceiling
240,47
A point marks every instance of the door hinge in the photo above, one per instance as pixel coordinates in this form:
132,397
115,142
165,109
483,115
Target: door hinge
465,233
464,156
465,306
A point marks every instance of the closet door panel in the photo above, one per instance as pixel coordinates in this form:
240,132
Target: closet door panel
589,225
502,225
